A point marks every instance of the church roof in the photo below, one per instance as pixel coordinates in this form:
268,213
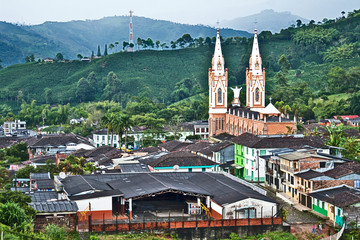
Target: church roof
269,109
218,59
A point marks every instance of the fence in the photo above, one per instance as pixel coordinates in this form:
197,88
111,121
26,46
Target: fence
335,236
161,224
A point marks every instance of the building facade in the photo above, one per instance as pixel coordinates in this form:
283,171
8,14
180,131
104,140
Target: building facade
255,118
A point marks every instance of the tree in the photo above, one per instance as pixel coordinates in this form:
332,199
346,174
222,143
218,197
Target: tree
298,23
139,42
32,58
48,95
157,43
111,46
11,214
105,51
83,90
4,177
98,52
122,123
125,45
112,90
79,56
27,59
18,198
59,57
0,64
55,232
92,54
108,121
284,63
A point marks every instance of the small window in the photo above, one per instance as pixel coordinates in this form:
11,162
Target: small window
257,95
203,169
219,97
322,164
190,169
323,205
253,152
339,212
97,138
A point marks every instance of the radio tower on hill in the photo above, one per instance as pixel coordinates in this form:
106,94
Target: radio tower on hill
131,39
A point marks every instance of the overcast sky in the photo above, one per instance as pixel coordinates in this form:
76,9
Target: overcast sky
183,11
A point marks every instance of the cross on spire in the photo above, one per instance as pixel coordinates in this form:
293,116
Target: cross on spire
270,99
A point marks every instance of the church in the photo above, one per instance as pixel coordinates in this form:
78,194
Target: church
255,117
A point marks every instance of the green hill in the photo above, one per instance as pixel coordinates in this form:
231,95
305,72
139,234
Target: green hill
83,37
323,59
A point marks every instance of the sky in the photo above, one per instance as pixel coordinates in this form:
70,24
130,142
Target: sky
205,12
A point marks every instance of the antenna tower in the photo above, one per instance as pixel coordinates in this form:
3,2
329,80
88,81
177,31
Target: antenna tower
131,39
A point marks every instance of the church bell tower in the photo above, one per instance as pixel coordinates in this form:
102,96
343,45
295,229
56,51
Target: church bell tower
218,82
255,78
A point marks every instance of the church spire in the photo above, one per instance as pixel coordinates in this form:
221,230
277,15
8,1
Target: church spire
218,59
255,63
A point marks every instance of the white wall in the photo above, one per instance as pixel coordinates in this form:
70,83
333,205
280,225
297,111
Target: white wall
266,210
216,207
97,204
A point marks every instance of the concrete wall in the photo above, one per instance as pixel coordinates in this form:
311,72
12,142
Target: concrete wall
229,211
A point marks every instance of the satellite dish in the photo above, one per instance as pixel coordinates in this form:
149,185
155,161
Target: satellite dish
176,167
62,175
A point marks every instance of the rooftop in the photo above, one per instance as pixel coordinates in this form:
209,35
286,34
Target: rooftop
252,141
222,189
181,158
293,156
173,145
54,206
340,196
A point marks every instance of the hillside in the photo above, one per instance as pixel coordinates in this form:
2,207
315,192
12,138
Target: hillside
266,20
17,42
323,61
82,37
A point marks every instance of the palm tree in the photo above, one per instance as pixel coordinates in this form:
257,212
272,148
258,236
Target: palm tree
108,121
122,124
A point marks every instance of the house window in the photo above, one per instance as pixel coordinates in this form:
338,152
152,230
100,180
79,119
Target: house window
253,152
219,95
262,152
318,202
339,212
323,205
103,138
322,164
257,95
203,169
97,138
247,150
190,169
114,138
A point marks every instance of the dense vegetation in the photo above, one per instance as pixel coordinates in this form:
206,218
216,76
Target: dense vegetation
82,37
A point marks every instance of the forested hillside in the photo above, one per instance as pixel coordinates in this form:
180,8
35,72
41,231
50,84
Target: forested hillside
83,37
312,71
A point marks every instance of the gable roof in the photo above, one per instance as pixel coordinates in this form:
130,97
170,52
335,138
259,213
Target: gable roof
222,189
309,174
43,196
181,158
340,196
56,140
252,141
173,145
343,170
54,206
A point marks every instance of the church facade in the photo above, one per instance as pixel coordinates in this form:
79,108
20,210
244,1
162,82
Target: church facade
255,117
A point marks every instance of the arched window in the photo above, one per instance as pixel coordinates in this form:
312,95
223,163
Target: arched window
257,95
219,92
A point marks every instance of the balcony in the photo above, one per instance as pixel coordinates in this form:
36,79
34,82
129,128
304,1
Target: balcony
304,189
288,169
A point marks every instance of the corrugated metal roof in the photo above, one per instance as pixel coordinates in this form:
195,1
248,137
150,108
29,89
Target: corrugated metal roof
54,206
